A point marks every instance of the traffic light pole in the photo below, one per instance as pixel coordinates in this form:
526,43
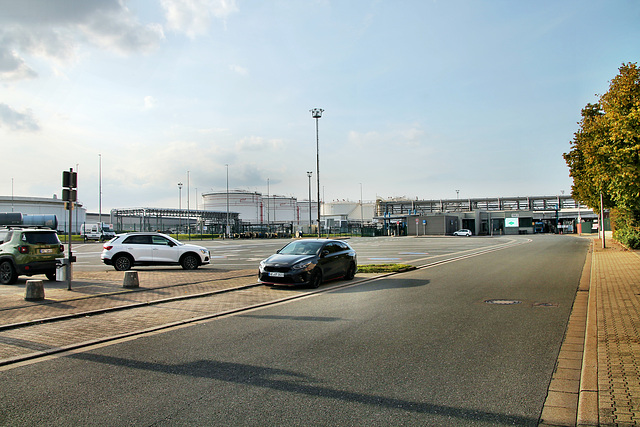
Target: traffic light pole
68,266
69,195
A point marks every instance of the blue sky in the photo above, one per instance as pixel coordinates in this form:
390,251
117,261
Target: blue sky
421,98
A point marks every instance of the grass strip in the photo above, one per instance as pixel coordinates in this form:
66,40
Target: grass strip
384,268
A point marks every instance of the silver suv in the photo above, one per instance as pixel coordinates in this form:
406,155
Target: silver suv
131,249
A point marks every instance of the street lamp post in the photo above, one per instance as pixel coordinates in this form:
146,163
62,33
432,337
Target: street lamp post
316,113
179,210
361,213
228,231
100,190
309,173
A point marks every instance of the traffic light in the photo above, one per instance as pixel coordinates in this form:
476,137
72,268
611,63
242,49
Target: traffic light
69,195
70,183
69,179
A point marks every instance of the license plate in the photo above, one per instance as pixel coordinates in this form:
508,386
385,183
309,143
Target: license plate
46,251
276,274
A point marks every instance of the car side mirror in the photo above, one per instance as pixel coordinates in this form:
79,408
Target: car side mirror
324,253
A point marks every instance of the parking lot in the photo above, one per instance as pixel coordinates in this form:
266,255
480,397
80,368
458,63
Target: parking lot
246,254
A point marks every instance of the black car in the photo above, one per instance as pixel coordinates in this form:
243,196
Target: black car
309,262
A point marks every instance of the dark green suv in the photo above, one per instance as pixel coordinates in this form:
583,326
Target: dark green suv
28,251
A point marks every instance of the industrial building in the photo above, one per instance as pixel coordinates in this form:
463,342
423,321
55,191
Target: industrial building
487,216
244,212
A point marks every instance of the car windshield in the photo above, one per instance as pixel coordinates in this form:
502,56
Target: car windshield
44,237
301,248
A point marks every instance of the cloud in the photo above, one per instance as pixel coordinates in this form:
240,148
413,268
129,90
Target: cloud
123,33
239,70
149,102
256,143
17,121
411,136
56,29
193,17
12,67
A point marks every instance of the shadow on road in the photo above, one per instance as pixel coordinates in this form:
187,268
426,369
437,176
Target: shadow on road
271,378
385,284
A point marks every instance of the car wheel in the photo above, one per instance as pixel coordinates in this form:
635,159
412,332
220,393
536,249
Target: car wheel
189,262
351,272
122,263
51,276
8,275
316,279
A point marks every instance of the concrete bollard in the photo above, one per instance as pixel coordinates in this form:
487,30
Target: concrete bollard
35,290
131,280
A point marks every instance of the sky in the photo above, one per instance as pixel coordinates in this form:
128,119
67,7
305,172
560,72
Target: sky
424,99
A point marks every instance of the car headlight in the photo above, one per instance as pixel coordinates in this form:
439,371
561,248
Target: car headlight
204,252
301,266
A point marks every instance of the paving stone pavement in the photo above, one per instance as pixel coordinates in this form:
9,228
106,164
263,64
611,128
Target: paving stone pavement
98,308
617,277
103,289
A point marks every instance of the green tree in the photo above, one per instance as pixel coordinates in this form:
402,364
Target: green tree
605,151
621,106
587,161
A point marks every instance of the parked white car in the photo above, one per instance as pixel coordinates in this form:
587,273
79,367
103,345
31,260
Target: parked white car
133,249
463,232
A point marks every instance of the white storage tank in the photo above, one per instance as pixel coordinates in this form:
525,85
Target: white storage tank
247,204
346,208
280,209
351,210
302,213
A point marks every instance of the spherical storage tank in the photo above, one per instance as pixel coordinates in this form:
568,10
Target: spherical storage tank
245,203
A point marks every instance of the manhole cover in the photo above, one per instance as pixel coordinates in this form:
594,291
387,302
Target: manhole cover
502,301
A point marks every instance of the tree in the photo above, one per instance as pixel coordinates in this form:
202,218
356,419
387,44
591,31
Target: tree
587,162
605,151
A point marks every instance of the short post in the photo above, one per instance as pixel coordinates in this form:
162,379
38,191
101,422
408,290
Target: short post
35,290
131,280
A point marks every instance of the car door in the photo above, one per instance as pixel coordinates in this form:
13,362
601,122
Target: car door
164,250
140,247
343,257
330,262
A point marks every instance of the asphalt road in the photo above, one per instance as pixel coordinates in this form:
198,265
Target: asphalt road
421,348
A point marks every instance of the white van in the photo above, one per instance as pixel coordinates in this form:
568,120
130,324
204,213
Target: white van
98,232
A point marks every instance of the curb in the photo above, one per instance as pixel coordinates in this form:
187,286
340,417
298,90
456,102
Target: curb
588,397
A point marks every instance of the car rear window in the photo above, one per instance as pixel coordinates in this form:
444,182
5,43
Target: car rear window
137,240
5,236
41,237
